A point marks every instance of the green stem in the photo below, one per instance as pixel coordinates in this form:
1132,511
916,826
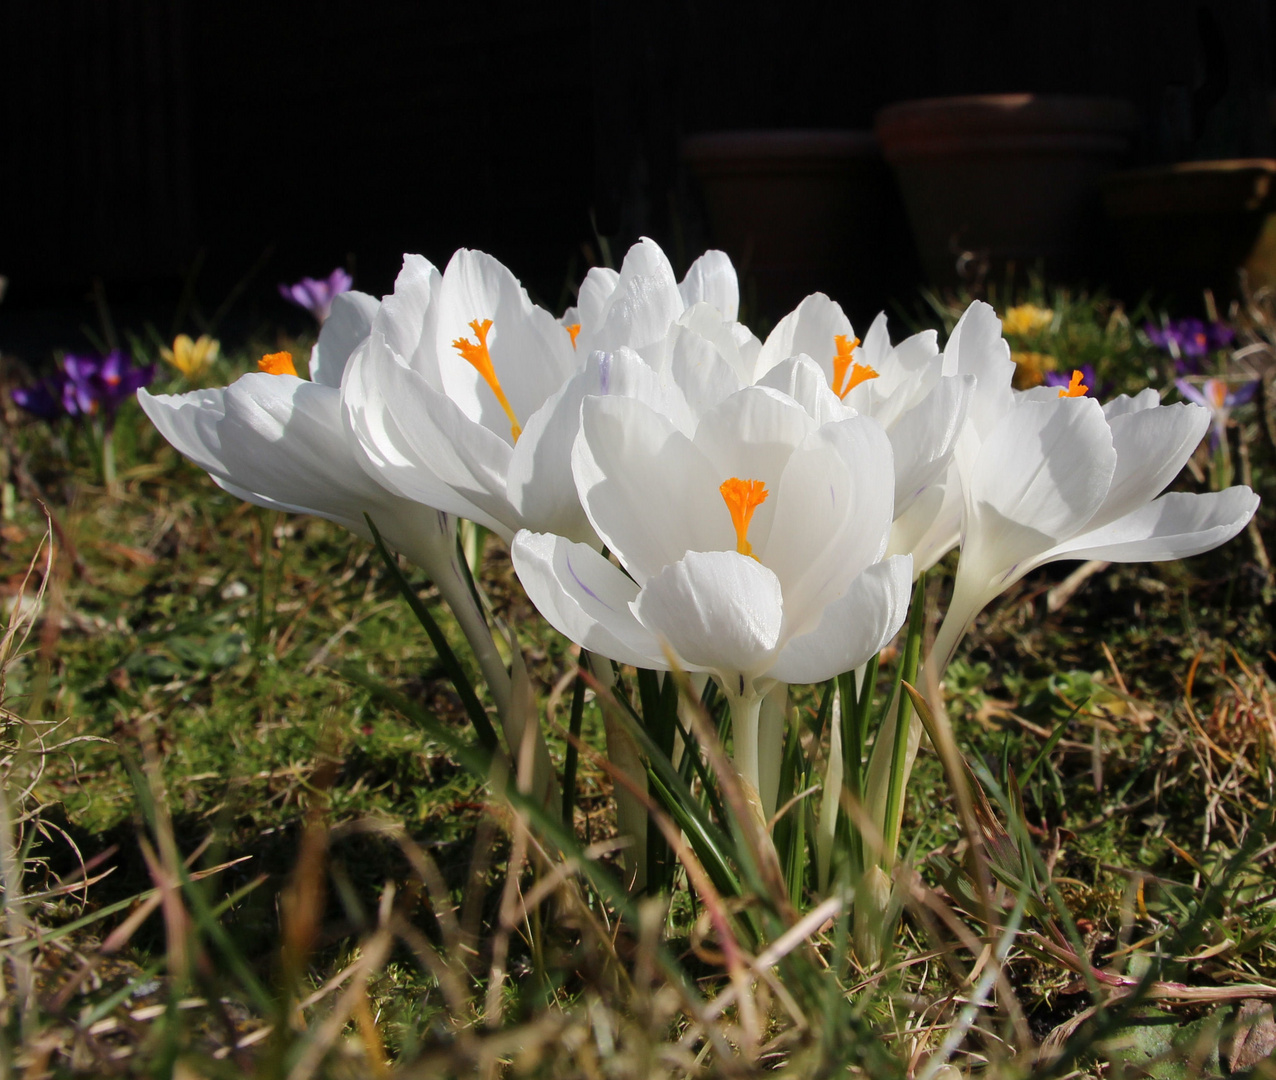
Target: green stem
266,520
108,462
460,598
903,724
573,754
856,702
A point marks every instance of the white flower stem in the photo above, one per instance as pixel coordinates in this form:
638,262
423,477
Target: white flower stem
965,605
830,805
745,708
903,749
456,593
772,716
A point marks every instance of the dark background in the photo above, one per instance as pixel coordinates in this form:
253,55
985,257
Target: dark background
149,145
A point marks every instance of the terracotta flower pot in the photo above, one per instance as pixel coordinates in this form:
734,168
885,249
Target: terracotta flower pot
803,211
1006,178
1188,227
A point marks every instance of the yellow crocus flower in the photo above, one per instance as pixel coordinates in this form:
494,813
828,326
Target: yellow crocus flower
1026,319
192,358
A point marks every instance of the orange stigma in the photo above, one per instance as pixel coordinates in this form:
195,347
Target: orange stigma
574,330
277,363
844,359
742,498
1076,388
476,353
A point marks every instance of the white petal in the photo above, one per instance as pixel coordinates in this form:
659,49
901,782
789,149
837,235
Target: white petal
852,628
539,481
699,369
917,351
644,304
1174,526
531,353
274,440
584,597
718,610
591,304
1124,404
424,447
190,423
923,438
712,280
1041,474
977,348
905,374
407,319
931,527
750,436
703,319
832,516
348,324
376,392
809,328
801,378
876,344
649,493
1152,445
749,348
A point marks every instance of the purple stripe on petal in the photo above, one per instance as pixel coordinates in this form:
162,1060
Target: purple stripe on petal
576,577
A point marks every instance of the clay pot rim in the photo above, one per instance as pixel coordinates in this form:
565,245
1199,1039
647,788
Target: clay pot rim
795,143
1227,185
1213,167
922,120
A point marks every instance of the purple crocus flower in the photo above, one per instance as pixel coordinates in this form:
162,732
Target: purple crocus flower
1189,341
100,384
316,294
44,399
1215,396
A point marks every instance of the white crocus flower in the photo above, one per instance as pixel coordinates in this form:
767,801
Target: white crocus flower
636,307
750,548
466,396
1051,474
903,387
977,354
1065,478
452,393
277,441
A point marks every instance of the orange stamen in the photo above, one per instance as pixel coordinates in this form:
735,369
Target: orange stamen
277,363
476,353
846,347
1076,388
1216,391
859,373
574,330
742,498
844,359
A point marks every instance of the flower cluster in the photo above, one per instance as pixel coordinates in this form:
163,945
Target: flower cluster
86,386
678,493
1189,341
